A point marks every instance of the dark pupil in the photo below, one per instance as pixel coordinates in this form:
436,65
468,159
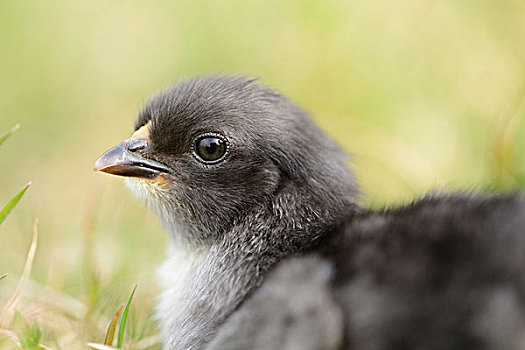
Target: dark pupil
211,148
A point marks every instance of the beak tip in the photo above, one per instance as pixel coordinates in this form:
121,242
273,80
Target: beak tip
98,166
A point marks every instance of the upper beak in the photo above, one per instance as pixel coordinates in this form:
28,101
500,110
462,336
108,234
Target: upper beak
125,160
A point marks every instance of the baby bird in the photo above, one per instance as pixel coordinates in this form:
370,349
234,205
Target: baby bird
270,250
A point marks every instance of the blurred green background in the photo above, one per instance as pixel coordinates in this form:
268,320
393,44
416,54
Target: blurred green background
423,93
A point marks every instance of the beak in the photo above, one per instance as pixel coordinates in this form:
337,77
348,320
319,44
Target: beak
125,159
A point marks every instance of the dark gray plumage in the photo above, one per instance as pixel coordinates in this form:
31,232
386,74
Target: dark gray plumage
270,251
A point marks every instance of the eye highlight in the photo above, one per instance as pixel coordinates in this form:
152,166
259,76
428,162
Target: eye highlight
210,148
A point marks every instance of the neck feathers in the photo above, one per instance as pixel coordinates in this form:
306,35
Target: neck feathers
204,284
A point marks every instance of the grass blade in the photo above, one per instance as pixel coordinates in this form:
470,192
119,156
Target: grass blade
123,320
8,133
110,334
3,276
9,309
7,209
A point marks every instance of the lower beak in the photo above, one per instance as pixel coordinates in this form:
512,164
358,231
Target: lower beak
122,161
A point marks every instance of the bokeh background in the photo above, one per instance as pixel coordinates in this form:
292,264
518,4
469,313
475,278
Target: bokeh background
425,94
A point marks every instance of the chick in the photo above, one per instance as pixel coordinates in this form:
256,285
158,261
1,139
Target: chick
269,249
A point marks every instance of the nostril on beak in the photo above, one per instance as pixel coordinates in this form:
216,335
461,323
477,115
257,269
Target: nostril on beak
137,145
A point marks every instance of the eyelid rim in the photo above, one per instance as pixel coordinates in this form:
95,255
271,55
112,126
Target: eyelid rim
210,134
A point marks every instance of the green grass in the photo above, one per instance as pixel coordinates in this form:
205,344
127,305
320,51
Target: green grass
424,94
8,134
30,336
110,334
124,320
11,204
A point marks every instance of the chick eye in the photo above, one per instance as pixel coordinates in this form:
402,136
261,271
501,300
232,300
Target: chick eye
210,148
